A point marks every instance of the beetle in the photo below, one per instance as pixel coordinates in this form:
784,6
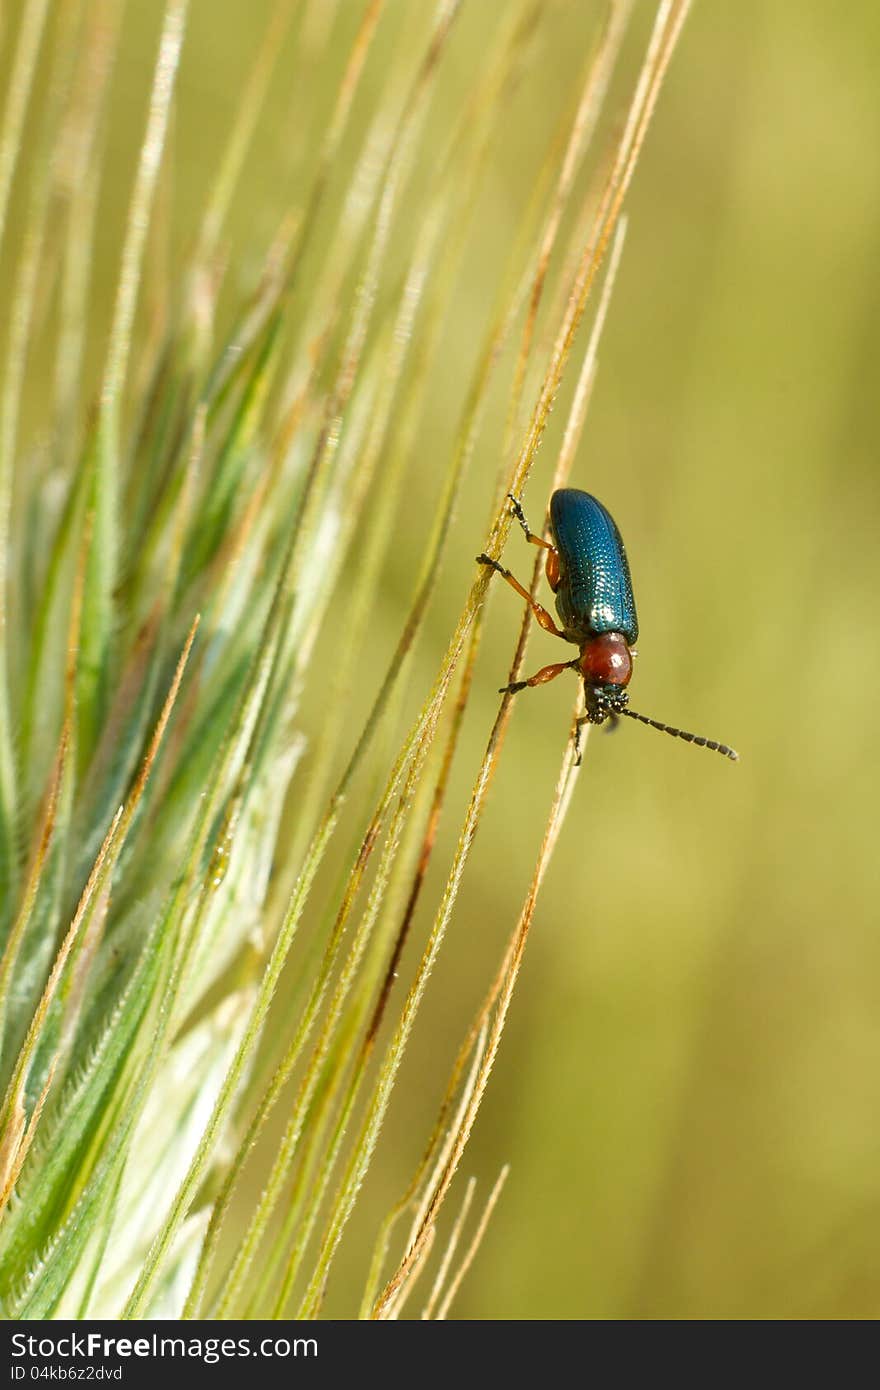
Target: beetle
588,571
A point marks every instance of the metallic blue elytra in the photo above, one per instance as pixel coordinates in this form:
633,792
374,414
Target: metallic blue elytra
594,593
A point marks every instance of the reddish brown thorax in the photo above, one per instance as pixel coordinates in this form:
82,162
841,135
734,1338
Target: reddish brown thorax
606,660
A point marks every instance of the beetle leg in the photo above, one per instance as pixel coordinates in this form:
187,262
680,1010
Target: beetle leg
551,568
539,611
516,508
546,673
608,718
552,565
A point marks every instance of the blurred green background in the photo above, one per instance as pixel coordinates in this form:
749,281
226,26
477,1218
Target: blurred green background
687,1088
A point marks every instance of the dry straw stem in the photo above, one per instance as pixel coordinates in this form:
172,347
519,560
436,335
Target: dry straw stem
444,1170
667,27
503,989
457,1279
434,1160
447,1256
571,439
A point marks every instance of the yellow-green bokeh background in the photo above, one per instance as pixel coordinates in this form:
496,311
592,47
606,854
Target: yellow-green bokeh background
687,1089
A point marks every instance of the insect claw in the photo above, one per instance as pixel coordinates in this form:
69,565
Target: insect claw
579,724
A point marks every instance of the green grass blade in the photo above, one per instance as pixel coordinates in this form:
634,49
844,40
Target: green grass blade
102,572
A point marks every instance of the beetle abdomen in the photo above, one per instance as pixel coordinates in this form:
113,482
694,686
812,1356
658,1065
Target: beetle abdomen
595,590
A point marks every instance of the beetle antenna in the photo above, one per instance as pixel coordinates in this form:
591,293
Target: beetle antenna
682,733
